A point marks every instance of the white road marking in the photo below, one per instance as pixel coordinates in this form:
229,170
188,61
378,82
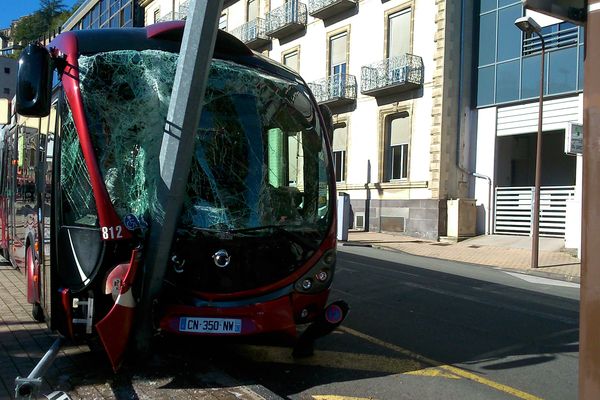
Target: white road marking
543,281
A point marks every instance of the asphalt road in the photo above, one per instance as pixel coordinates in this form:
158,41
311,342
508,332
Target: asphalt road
419,328
423,328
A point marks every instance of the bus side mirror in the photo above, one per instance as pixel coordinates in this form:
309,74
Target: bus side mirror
328,118
34,82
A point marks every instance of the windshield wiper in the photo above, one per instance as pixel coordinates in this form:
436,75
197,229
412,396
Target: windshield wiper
279,229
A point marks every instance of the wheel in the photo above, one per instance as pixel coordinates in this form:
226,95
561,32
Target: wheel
37,312
36,309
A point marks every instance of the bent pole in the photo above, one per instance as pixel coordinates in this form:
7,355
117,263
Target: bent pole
27,388
176,152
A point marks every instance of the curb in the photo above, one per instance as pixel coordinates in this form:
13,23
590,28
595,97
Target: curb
539,272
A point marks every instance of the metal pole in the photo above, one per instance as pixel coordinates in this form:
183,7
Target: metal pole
185,108
589,345
28,387
535,226
368,198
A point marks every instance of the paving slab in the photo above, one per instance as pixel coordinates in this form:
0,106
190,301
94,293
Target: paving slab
86,374
499,251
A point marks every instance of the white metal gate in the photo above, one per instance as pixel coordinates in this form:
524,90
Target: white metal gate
514,208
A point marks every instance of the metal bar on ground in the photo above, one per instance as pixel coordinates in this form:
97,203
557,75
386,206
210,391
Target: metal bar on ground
183,117
26,388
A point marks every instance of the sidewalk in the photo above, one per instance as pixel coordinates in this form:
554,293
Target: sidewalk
84,374
507,252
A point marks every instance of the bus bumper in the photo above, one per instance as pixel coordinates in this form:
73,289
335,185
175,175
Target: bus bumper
280,315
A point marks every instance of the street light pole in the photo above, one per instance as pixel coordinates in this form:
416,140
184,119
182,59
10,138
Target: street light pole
535,237
528,25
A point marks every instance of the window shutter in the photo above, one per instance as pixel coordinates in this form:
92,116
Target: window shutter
340,138
399,33
399,131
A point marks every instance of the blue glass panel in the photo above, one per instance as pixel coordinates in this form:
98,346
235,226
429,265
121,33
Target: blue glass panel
580,80
502,3
507,81
530,77
509,36
562,70
487,38
487,5
485,86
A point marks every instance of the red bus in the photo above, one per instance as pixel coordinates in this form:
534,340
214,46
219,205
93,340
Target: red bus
254,252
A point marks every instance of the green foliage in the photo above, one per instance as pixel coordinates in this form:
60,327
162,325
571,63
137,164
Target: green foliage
50,17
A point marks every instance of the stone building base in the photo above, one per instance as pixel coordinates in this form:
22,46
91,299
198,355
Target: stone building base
419,218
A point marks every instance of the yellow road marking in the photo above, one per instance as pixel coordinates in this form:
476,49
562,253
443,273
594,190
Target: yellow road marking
334,397
453,370
333,359
433,372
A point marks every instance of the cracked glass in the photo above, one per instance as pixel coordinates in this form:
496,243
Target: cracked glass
259,158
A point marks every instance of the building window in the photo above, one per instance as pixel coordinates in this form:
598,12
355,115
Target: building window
398,137
338,61
223,22
509,36
339,146
7,70
252,10
509,61
156,15
398,33
292,60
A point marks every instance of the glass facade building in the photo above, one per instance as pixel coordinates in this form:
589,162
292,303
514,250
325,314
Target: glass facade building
106,14
508,61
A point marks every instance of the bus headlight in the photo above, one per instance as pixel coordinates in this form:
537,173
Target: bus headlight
319,277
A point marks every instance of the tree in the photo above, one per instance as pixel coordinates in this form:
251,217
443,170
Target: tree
28,29
49,18
50,9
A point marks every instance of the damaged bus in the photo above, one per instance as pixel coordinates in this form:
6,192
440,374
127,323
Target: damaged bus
254,252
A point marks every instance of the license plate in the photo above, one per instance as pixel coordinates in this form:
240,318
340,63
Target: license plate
210,325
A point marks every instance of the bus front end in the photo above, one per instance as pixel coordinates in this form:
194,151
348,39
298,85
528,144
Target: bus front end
255,247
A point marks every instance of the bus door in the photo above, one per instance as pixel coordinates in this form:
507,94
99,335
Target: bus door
43,194
5,167
22,218
11,184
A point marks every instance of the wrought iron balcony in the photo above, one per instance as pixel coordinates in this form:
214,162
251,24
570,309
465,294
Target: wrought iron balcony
252,33
324,9
336,90
287,19
184,9
170,17
392,75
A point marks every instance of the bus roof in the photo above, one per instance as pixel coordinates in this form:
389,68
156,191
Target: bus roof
167,36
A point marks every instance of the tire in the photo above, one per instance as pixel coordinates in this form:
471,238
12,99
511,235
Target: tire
36,309
37,312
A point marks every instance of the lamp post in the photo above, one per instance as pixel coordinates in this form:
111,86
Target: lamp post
528,25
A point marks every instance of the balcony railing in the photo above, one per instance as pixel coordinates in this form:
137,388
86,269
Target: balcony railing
170,17
324,9
252,33
287,19
563,38
184,9
335,90
392,75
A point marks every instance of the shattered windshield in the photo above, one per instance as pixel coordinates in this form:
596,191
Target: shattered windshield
259,156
